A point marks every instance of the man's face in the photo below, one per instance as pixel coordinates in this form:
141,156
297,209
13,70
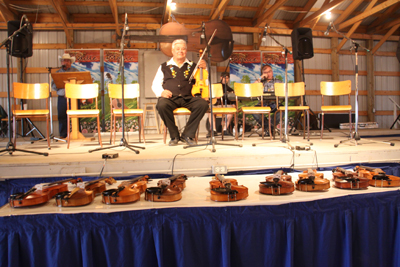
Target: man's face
179,52
66,63
267,71
225,80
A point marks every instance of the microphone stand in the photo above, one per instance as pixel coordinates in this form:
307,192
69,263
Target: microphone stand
10,148
123,141
212,141
355,136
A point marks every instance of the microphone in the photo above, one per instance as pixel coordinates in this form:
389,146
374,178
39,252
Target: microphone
203,32
328,29
126,22
264,37
63,66
28,24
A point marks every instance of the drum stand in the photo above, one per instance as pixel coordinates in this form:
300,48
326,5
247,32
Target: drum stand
123,142
355,138
10,148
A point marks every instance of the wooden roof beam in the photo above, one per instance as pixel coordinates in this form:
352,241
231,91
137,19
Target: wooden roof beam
307,8
268,14
261,8
318,18
355,26
387,35
387,14
114,11
368,13
386,26
348,11
5,11
319,13
166,13
218,13
62,12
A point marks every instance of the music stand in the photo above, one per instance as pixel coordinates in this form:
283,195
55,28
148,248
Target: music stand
355,136
123,141
212,141
10,148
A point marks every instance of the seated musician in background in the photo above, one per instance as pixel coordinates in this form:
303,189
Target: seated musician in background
66,62
171,86
229,96
268,80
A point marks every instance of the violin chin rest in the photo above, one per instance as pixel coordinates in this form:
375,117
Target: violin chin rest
154,190
109,192
62,195
225,191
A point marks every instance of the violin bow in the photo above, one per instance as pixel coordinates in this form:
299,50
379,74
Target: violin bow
201,57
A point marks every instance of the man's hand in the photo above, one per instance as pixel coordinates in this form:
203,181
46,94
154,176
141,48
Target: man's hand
202,64
166,93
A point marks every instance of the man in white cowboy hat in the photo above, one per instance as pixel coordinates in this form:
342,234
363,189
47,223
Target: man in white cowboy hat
66,61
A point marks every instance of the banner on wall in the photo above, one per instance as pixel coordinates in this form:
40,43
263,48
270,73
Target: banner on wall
277,61
88,60
112,75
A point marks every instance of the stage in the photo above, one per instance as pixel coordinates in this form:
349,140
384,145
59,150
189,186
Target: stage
158,158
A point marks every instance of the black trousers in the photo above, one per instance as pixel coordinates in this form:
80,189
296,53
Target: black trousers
197,106
62,115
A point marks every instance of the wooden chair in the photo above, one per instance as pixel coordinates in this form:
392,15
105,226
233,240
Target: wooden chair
342,88
74,92
177,112
217,92
131,91
295,90
249,90
31,91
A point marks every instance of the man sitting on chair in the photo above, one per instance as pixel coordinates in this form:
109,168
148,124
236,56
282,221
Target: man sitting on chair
171,86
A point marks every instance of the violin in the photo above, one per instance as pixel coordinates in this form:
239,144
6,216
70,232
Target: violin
201,86
310,180
223,190
99,185
127,191
83,194
348,179
221,46
377,177
167,190
277,184
40,193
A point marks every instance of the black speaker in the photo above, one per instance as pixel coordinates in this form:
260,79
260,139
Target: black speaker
22,43
302,43
398,51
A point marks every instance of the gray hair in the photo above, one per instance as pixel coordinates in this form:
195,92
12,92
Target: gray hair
179,41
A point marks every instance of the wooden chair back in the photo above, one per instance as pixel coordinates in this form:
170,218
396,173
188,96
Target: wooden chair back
31,90
336,88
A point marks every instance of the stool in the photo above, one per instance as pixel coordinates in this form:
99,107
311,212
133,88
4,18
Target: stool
152,109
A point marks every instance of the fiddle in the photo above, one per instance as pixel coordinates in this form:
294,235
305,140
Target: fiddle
223,190
348,179
127,192
310,180
167,190
377,177
221,46
40,193
77,197
277,184
99,185
201,86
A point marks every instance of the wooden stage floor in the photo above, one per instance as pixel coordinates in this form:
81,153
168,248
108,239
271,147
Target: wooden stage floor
158,158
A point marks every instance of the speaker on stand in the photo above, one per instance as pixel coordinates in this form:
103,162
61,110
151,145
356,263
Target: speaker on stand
302,45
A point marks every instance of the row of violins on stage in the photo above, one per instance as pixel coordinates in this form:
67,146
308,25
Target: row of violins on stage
221,189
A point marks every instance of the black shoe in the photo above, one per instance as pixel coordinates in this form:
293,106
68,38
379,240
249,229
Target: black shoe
189,141
209,134
174,141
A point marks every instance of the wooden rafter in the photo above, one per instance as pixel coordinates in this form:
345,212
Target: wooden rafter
355,26
62,12
268,14
219,11
365,14
261,8
348,11
320,12
387,35
114,11
318,18
307,8
166,13
387,14
213,7
5,11
387,25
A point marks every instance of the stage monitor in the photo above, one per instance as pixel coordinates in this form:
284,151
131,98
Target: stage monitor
21,46
302,43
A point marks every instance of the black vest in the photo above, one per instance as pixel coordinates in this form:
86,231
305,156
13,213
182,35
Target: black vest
177,79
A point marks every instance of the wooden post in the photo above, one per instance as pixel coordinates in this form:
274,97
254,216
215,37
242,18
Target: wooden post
256,40
335,66
370,83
